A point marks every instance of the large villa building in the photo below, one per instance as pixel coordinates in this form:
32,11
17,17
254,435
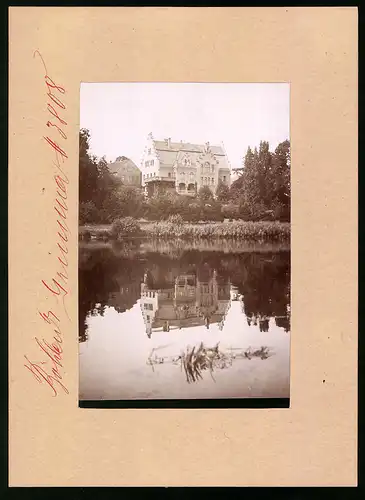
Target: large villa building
183,167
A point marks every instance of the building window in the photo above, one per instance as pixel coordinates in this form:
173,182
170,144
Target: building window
224,178
212,180
146,163
212,169
149,151
201,179
152,162
169,174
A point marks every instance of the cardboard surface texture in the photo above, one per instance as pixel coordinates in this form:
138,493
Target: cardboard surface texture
55,443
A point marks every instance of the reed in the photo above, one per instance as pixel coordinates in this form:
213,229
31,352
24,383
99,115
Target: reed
238,230
254,231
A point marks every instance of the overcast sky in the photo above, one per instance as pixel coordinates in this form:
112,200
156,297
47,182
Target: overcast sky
120,115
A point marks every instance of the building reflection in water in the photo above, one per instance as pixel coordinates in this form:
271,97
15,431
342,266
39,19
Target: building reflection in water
191,299
192,290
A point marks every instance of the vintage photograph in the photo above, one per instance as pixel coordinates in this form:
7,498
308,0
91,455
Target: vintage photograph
184,241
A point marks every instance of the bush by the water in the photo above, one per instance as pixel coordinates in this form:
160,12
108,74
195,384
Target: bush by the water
176,219
99,233
84,235
127,226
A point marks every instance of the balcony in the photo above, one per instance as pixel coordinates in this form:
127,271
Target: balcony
159,179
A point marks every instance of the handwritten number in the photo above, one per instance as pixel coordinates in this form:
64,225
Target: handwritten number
49,371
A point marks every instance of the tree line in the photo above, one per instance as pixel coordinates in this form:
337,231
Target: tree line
261,192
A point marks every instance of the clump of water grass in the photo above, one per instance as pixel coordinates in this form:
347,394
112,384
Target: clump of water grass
198,359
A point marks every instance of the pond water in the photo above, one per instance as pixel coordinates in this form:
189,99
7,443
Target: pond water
171,320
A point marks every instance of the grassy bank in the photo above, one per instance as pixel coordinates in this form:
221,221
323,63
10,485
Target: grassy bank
240,230
272,231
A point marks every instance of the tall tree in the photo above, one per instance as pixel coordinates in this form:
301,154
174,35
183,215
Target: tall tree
103,198
263,189
88,171
205,195
222,192
248,190
264,174
281,180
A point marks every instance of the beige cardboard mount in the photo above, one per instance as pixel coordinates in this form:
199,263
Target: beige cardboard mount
55,443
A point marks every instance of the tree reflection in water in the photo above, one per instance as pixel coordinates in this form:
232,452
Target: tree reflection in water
180,287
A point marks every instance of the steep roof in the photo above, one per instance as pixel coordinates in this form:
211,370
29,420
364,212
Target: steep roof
167,157
123,165
186,146
169,153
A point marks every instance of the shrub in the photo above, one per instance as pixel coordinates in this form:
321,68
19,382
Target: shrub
88,213
176,220
102,235
84,235
230,211
127,226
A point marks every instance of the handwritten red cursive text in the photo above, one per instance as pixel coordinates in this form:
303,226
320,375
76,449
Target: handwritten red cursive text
49,370
53,350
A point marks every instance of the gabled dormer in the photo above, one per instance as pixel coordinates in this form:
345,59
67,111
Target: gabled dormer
184,159
207,161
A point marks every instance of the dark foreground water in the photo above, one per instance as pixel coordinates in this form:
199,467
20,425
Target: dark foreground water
161,320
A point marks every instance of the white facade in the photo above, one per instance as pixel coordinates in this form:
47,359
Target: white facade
184,167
